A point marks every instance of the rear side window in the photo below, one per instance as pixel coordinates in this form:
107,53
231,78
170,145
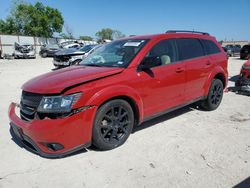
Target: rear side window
210,47
189,48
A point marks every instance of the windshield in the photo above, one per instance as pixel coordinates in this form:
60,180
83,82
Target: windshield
118,53
86,48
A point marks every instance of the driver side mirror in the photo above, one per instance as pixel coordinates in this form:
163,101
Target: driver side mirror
149,62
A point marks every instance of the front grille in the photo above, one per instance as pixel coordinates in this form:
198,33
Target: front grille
61,58
31,99
29,104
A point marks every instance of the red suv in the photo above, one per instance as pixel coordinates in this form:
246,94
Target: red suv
116,88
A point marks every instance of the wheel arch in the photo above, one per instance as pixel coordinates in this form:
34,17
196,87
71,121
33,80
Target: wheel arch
121,92
218,73
222,78
131,102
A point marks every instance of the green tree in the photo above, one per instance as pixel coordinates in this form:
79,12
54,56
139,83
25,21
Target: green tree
86,38
36,20
105,33
110,34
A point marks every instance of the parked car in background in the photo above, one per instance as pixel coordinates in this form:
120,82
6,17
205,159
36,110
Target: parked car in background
67,57
24,50
243,83
245,52
233,50
49,50
116,88
70,44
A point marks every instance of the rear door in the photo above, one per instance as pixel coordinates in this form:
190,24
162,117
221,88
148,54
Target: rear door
198,66
164,83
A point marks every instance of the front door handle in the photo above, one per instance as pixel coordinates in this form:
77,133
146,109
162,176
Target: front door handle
179,70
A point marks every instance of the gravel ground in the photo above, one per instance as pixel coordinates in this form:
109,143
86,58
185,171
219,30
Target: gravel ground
186,148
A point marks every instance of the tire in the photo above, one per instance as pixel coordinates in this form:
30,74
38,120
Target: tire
112,125
44,54
214,97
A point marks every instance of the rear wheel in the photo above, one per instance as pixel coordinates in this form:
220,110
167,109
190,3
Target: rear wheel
113,124
214,97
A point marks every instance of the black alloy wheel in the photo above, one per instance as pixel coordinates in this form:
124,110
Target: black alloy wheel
113,124
214,96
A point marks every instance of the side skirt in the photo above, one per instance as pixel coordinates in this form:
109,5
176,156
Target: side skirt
172,109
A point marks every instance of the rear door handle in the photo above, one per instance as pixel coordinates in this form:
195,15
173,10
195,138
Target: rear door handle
179,70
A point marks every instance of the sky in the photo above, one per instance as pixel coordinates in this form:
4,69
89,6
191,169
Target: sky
224,19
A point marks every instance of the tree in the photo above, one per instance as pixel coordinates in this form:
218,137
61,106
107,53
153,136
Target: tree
117,34
110,34
105,33
86,38
36,20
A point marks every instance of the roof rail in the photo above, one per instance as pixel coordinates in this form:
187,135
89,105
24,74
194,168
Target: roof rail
184,31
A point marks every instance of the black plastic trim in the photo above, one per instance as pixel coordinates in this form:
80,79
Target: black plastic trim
173,109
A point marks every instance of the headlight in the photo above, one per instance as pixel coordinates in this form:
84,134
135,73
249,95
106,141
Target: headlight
246,67
73,58
58,104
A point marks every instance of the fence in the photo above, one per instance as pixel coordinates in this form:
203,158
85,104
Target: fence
7,42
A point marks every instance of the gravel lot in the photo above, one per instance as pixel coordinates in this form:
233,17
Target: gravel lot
186,148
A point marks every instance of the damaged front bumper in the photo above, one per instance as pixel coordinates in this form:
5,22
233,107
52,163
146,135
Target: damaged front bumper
53,138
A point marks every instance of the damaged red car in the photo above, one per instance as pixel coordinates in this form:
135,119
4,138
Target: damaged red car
243,83
115,89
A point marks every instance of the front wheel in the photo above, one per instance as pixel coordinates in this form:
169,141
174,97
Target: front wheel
113,124
214,97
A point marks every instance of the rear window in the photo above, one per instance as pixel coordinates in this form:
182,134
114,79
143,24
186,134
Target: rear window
189,48
210,47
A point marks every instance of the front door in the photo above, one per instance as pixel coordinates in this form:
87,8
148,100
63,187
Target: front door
164,83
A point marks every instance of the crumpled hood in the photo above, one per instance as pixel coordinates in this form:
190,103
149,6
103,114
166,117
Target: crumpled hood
57,81
70,51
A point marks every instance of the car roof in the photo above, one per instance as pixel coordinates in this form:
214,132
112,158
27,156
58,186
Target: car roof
172,34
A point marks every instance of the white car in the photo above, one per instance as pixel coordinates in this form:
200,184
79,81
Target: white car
24,50
69,57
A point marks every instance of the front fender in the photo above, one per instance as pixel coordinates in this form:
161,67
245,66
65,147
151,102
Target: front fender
117,91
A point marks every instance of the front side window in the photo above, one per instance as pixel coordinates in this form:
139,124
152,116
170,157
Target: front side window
189,48
115,54
86,48
162,53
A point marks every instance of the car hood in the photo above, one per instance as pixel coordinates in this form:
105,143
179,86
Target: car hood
57,81
69,52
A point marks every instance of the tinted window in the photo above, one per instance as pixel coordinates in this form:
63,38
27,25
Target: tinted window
163,53
246,47
189,48
210,47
